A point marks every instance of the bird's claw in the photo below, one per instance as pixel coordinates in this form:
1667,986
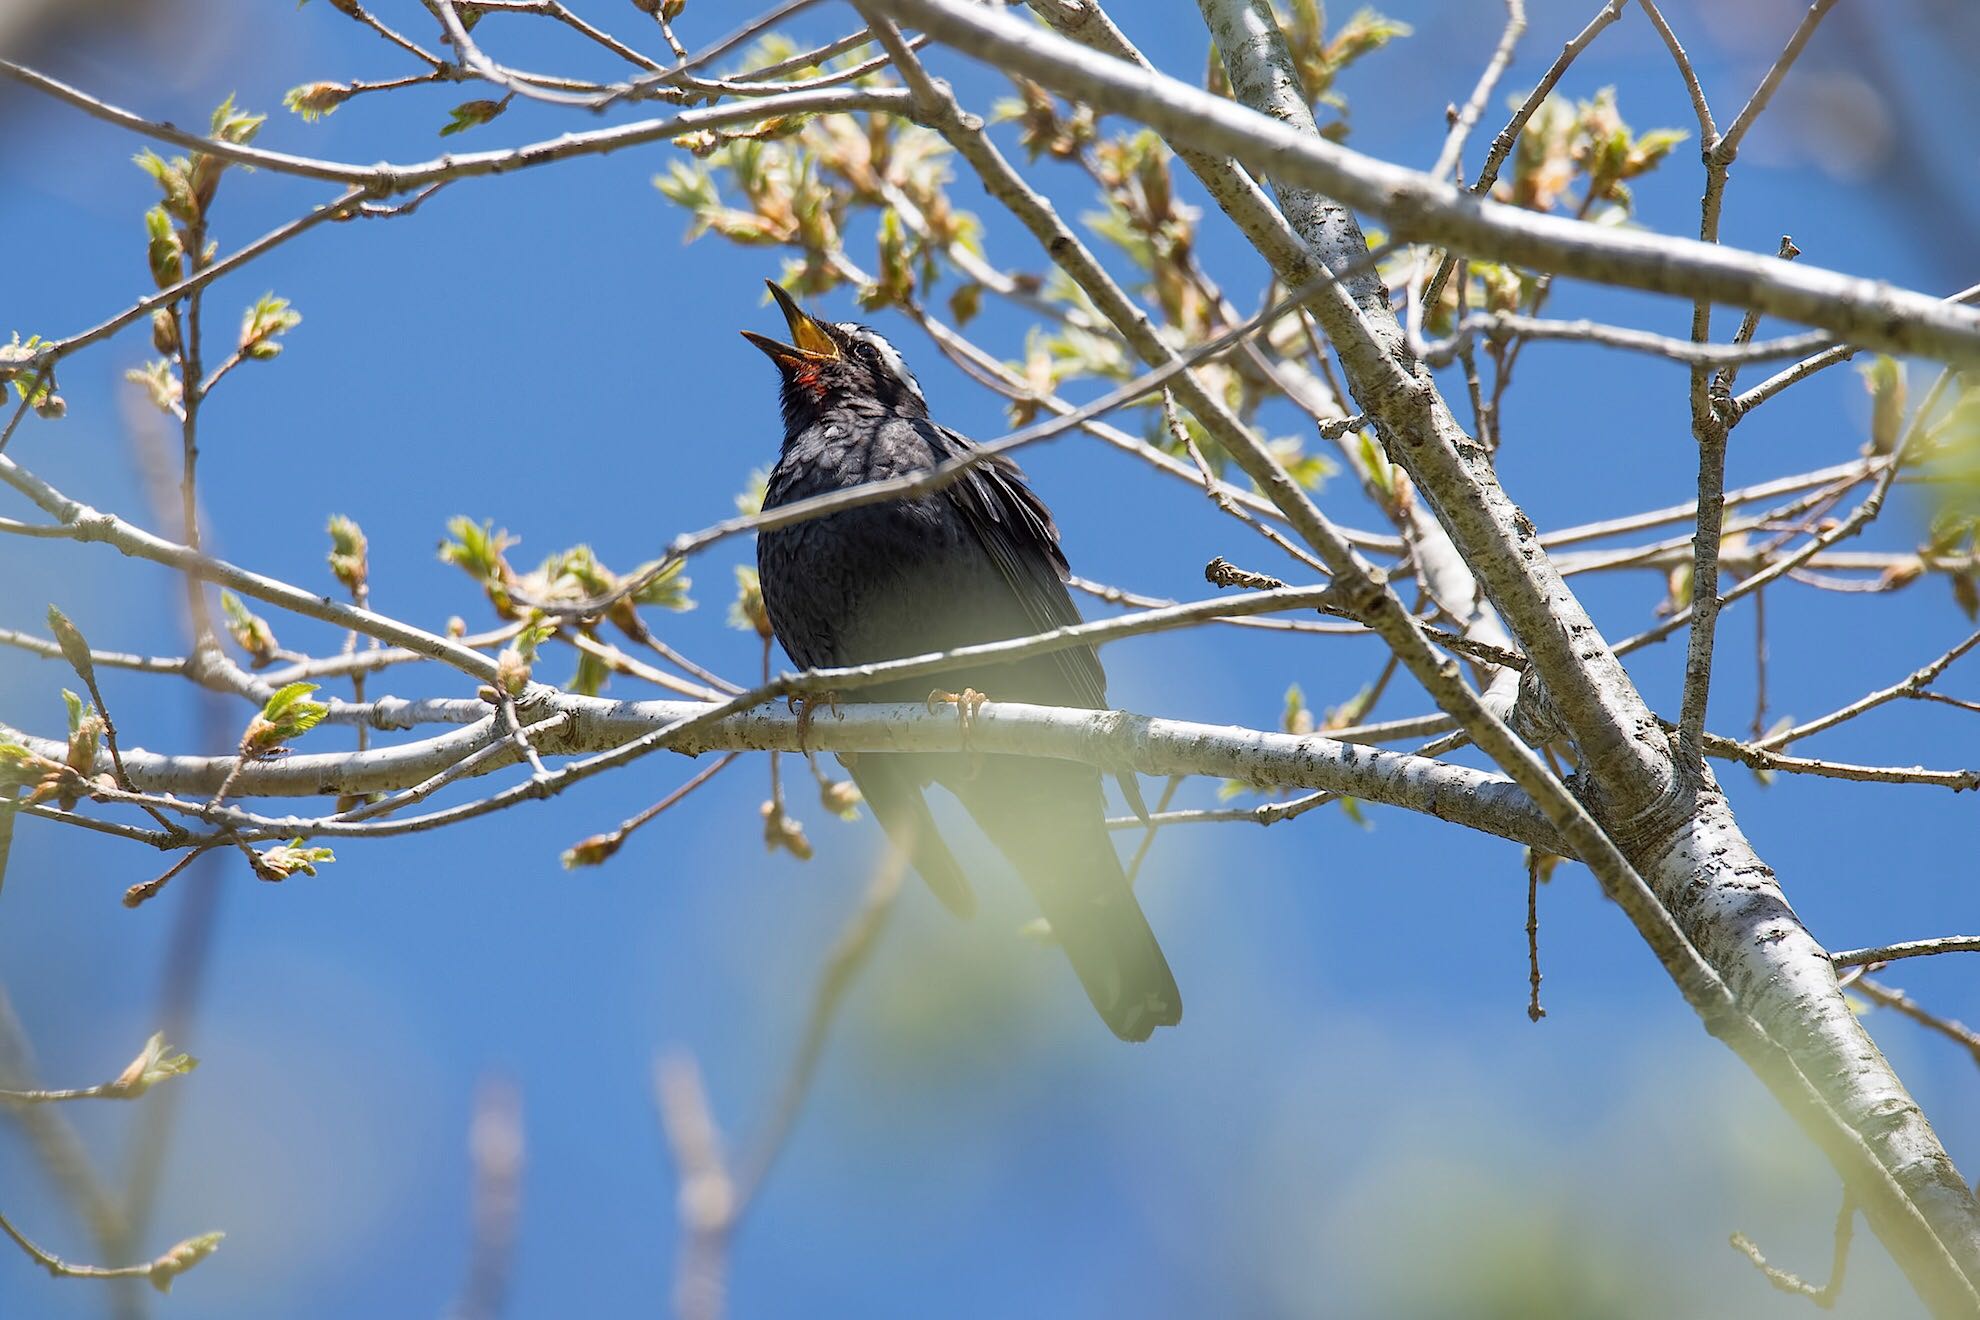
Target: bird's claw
967,702
805,706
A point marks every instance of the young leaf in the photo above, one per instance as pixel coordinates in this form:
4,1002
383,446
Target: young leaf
350,561
284,860
748,613
250,631
286,715
470,114
155,1063
314,100
262,323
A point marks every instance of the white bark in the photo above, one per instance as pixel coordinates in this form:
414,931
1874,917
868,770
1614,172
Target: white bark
1114,740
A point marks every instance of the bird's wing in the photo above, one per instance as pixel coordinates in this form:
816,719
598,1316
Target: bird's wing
1016,530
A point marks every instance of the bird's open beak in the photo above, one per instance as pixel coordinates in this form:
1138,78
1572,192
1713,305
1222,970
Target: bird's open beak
809,341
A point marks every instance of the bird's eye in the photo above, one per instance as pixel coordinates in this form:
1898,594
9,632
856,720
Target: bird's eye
867,352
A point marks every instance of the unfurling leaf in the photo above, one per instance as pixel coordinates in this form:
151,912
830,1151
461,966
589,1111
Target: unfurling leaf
263,322
590,677
163,249
350,554
314,100
85,739
668,589
749,501
1966,594
748,613
479,550
160,382
285,716
511,671
1350,712
250,631
471,114
1296,718
284,860
155,1063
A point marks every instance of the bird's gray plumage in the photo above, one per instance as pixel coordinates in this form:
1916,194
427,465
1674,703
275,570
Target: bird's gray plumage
977,561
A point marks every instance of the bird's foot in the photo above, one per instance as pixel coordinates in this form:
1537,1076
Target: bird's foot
804,707
967,702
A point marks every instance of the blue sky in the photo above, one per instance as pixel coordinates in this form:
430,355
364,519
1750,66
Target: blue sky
1356,1117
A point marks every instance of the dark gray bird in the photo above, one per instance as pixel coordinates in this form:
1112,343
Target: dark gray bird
977,561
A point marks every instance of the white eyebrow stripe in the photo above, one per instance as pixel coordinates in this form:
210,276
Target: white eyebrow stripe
889,355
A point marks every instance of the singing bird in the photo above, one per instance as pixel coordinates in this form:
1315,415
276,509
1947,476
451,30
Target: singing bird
976,561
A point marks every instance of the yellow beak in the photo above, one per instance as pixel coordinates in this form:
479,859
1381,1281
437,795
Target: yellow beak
809,340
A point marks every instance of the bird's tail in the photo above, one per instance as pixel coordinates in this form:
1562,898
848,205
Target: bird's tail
1049,819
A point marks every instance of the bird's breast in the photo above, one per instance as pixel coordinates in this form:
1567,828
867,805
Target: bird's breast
873,582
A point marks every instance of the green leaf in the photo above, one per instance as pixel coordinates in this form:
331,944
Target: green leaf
232,124
471,114
591,676
350,553
749,502
164,251
250,631
268,318
668,590
286,715
477,548
1296,718
314,100
747,613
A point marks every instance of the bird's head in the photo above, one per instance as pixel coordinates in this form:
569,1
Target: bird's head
836,362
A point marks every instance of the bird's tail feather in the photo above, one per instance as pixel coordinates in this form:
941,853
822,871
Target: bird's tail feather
891,789
1049,819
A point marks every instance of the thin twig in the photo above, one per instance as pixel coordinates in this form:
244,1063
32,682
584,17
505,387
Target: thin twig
1824,1296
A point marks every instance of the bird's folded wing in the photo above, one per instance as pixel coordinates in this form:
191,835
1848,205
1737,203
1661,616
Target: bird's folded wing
1017,532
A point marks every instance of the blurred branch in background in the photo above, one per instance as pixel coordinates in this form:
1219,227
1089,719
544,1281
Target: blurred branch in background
495,1150
716,1192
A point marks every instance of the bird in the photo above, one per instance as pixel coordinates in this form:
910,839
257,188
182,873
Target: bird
977,560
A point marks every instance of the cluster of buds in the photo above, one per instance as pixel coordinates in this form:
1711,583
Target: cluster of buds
350,555
314,100
782,832
34,384
285,859
1586,142
1043,130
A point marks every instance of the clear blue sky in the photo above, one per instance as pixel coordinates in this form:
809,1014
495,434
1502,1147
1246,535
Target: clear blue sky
1356,1117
